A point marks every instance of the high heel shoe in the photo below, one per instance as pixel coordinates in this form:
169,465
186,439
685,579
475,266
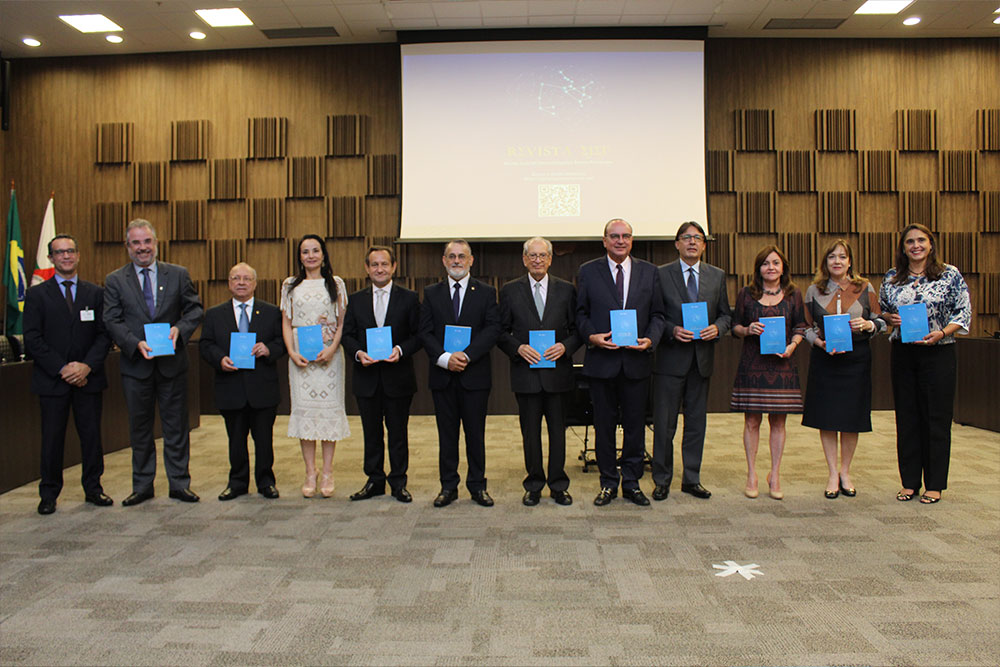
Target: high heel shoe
326,485
849,492
777,495
830,495
309,486
751,493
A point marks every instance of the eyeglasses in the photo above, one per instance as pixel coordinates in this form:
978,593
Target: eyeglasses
622,237
64,251
691,237
535,256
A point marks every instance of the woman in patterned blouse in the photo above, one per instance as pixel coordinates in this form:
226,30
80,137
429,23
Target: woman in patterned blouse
923,372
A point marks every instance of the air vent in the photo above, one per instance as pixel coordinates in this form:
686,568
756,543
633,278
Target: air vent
301,33
803,24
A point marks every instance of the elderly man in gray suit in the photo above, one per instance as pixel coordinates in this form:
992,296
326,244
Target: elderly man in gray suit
683,365
146,291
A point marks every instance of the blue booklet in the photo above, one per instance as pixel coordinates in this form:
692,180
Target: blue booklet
158,338
837,329
541,340
456,338
310,341
240,346
915,324
624,330
695,316
772,341
379,342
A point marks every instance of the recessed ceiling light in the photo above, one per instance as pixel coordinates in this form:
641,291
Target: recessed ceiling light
997,20
114,39
913,20
91,23
31,41
223,18
197,35
883,6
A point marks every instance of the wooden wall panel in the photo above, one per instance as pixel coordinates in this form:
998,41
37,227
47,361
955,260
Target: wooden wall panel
114,143
754,129
918,207
756,212
149,182
267,138
796,171
187,219
916,129
836,129
988,129
227,179
838,212
721,177
958,171
110,220
306,177
989,211
347,135
189,140
266,218
877,171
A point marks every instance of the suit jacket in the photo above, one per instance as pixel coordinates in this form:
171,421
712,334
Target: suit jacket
597,297
672,357
54,336
479,311
257,387
125,313
518,316
403,315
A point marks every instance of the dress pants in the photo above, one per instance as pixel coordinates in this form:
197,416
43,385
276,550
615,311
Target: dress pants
923,388
258,422
141,397
395,411
669,393
451,405
530,409
608,396
87,417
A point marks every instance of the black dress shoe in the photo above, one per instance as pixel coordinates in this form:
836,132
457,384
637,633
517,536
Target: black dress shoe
562,498
661,491
228,494
184,495
402,495
605,496
482,498
98,499
137,497
696,490
269,492
446,497
531,498
369,490
46,506
636,496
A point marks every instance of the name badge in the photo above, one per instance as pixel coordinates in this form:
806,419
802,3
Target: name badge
87,315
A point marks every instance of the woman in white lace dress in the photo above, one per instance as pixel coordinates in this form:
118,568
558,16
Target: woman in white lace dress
315,296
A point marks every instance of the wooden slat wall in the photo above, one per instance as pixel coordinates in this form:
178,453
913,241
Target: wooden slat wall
836,129
189,140
114,143
916,129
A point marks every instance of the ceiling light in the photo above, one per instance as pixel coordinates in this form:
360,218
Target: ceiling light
31,41
997,20
196,35
883,6
223,18
114,39
913,20
92,23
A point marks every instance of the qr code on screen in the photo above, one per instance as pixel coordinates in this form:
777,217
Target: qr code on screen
556,201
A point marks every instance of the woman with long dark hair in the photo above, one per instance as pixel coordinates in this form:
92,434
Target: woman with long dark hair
315,296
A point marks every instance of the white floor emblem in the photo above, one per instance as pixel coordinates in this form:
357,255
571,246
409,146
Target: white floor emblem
732,567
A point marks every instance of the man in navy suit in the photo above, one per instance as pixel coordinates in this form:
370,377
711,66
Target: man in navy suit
460,381
540,301
619,376
142,292
64,335
247,398
384,388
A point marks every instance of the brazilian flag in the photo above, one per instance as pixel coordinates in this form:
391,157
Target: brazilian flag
14,277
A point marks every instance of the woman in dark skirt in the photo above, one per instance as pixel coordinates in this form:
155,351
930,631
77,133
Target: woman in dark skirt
839,388
767,382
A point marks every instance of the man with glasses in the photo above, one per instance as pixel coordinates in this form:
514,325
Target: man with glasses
539,302
684,361
64,334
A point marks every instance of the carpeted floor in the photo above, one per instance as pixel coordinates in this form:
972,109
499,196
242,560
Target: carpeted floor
852,581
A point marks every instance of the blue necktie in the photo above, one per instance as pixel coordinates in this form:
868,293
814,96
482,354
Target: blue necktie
147,292
456,302
692,287
244,324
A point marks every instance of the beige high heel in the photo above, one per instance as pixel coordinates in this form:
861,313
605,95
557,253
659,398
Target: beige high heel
777,495
309,486
327,485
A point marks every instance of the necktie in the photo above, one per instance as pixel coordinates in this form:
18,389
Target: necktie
456,302
692,286
539,304
380,307
68,284
620,284
147,292
244,324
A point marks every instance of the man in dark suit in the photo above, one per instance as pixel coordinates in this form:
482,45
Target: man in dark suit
619,376
64,335
460,381
540,301
247,398
384,388
142,292
683,363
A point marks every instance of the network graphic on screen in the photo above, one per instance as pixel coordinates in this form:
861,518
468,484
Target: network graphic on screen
551,97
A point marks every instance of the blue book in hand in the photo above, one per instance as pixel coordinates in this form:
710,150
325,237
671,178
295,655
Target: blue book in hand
456,338
695,317
624,330
240,346
772,341
837,330
310,341
914,325
379,342
541,340
158,339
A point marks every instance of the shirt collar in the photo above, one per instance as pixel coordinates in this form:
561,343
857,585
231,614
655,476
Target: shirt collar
387,288
696,267
138,269
237,304
464,282
544,282
626,263
60,280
